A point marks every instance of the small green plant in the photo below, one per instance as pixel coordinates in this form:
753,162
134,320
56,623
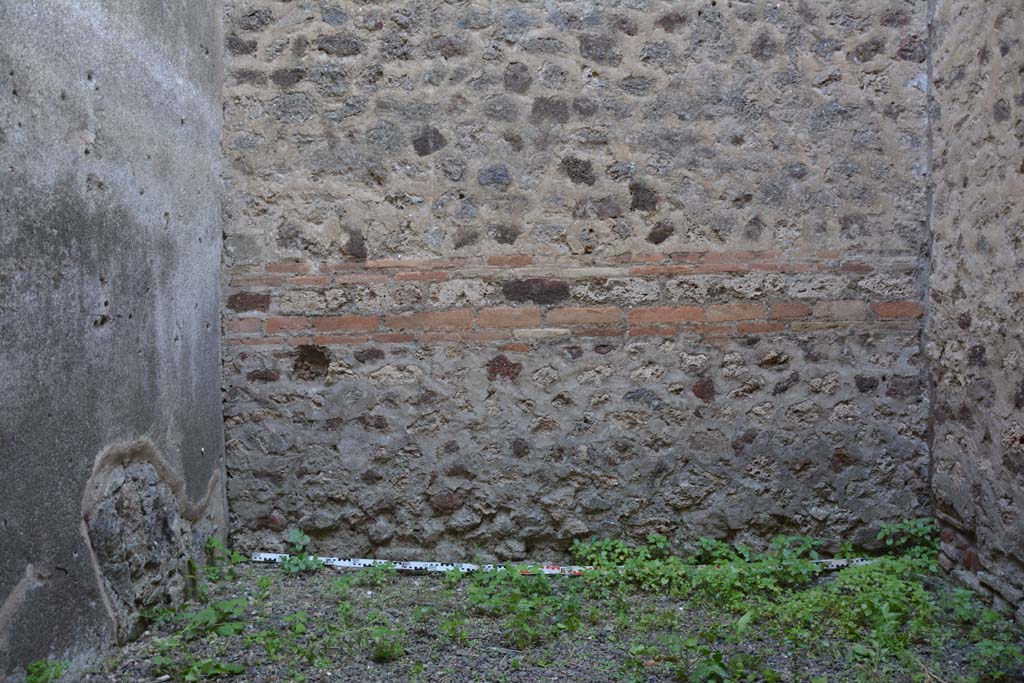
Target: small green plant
384,643
615,553
220,561
299,622
299,559
996,659
532,610
454,628
263,585
919,537
376,576
221,618
45,671
269,639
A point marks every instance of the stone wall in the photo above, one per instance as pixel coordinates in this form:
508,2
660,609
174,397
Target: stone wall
975,329
500,275
111,438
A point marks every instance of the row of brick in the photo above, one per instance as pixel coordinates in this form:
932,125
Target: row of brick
637,265
492,324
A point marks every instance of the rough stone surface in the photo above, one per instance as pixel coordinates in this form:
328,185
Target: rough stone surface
975,330
575,293
523,443
110,235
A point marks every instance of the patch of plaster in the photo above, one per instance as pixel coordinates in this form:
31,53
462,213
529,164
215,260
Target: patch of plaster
35,576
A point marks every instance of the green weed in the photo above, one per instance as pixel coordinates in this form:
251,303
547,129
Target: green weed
299,559
45,671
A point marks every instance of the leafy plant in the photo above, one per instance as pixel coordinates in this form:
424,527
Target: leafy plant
45,671
299,559
210,668
533,611
221,618
263,585
913,536
454,628
220,561
614,553
299,622
384,643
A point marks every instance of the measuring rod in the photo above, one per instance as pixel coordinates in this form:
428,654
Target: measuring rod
466,568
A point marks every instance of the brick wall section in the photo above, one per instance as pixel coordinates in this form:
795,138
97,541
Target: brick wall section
324,303
498,276
977,294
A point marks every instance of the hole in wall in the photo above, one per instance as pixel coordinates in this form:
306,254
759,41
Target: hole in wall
311,362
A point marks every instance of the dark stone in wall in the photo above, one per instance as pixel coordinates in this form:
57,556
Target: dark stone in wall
428,141
537,290
580,171
550,109
661,232
339,45
249,301
501,366
642,198
517,77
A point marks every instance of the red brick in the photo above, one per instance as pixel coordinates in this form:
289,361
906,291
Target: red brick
510,261
243,325
515,347
790,310
347,323
508,317
718,313
666,315
587,315
340,340
841,310
299,341
279,324
855,267
898,309
460,319
423,276
288,267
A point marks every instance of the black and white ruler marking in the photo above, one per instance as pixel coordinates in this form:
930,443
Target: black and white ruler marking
466,568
